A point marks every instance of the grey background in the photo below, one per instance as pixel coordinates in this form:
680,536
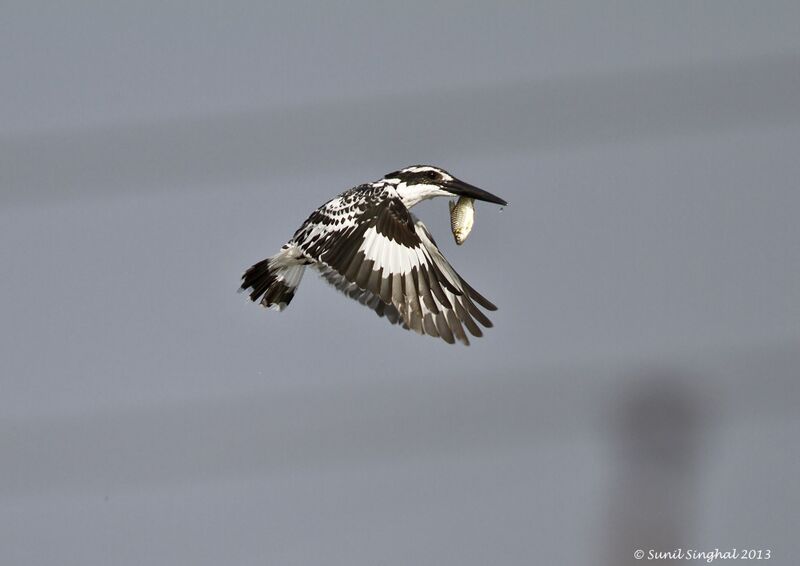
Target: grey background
640,387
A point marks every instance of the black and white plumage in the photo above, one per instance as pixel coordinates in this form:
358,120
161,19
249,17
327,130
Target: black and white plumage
367,244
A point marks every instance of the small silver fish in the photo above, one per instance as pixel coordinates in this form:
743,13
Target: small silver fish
462,217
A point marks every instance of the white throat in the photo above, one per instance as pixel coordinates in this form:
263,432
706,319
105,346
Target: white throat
414,194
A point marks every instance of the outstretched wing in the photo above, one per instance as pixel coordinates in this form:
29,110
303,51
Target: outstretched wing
387,260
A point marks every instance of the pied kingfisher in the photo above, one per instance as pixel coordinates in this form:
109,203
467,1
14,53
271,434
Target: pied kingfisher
367,244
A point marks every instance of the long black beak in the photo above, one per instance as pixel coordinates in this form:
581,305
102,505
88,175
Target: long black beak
460,188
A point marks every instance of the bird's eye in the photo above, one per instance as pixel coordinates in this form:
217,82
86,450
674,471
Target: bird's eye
431,175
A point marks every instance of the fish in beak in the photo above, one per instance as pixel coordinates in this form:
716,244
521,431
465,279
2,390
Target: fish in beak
462,189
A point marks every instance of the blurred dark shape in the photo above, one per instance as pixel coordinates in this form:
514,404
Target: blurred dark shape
658,430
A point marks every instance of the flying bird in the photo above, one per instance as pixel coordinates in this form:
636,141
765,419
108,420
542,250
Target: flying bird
366,243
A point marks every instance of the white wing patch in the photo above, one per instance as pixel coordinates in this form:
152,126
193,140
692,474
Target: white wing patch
387,254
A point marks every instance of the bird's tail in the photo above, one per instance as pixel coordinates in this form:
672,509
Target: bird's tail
273,281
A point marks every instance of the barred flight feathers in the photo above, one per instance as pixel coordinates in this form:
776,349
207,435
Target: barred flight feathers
387,260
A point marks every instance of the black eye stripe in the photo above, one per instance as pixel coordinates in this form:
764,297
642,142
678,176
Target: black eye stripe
411,176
